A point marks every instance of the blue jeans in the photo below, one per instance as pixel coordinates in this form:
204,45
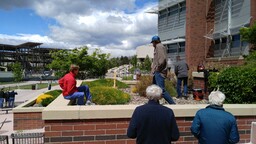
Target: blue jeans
1,102
185,86
158,79
83,91
11,102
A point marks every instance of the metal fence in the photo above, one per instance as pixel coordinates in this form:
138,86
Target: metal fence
27,138
4,139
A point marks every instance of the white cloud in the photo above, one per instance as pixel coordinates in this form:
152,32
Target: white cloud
95,23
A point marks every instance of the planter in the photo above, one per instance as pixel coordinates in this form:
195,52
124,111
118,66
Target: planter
26,117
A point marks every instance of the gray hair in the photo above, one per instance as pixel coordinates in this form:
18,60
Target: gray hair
216,98
154,92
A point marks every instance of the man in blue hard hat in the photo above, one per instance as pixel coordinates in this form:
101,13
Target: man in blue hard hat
159,67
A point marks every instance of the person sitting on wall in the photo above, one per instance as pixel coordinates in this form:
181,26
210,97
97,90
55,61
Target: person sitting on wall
214,125
70,91
153,123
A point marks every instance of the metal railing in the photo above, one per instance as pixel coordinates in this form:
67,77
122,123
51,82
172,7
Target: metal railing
4,139
27,138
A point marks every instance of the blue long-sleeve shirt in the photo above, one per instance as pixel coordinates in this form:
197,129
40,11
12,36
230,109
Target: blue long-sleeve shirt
213,125
153,123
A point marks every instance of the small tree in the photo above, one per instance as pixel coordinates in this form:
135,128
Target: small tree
147,64
249,35
17,71
134,61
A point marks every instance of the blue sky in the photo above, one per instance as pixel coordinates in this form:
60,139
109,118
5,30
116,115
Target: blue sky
24,20
91,23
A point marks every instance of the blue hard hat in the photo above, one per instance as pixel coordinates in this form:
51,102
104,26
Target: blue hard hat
155,38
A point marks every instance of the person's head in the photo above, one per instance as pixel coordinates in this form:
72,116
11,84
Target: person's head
216,98
74,69
154,92
155,40
178,58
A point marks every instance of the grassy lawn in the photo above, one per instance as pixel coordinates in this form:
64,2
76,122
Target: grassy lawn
3,83
39,86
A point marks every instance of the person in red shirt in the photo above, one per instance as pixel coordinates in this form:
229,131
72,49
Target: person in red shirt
70,91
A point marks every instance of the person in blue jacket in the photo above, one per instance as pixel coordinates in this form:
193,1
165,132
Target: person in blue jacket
153,123
214,125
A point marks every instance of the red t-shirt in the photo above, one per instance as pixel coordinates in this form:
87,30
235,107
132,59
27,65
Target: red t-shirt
68,84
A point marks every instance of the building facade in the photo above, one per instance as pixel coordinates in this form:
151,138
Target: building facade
204,30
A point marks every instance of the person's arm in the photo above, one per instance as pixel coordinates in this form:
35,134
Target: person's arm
234,135
132,129
61,82
175,130
176,69
195,127
161,59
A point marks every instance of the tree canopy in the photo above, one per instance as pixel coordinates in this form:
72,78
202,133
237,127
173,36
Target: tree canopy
94,65
249,35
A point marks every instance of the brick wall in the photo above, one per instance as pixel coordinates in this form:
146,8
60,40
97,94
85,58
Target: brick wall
27,120
196,12
113,131
99,131
253,11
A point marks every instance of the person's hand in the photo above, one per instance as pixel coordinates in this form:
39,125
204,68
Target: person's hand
152,73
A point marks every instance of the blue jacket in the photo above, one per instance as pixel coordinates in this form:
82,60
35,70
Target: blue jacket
153,123
213,125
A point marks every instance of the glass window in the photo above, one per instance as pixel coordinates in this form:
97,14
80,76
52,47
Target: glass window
235,41
224,40
217,41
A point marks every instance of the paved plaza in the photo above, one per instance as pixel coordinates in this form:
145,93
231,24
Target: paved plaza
22,96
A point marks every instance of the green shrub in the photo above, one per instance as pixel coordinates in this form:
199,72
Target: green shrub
45,102
238,84
147,80
103,95
170,88
55,93
105,82
142,84
128,77
213,80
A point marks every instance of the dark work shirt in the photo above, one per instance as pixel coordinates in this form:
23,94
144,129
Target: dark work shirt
12,94
153,123
2,94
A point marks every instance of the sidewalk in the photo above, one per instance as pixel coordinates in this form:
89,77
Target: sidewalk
22,96
21,83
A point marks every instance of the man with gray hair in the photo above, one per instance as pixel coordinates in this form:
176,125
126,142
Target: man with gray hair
214,125
153,123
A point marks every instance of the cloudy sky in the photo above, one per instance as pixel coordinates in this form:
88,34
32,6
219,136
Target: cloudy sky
115,26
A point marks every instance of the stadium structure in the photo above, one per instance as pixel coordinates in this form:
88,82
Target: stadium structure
32,57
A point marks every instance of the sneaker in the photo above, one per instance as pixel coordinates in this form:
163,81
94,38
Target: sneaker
89,103
185,97
178,97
